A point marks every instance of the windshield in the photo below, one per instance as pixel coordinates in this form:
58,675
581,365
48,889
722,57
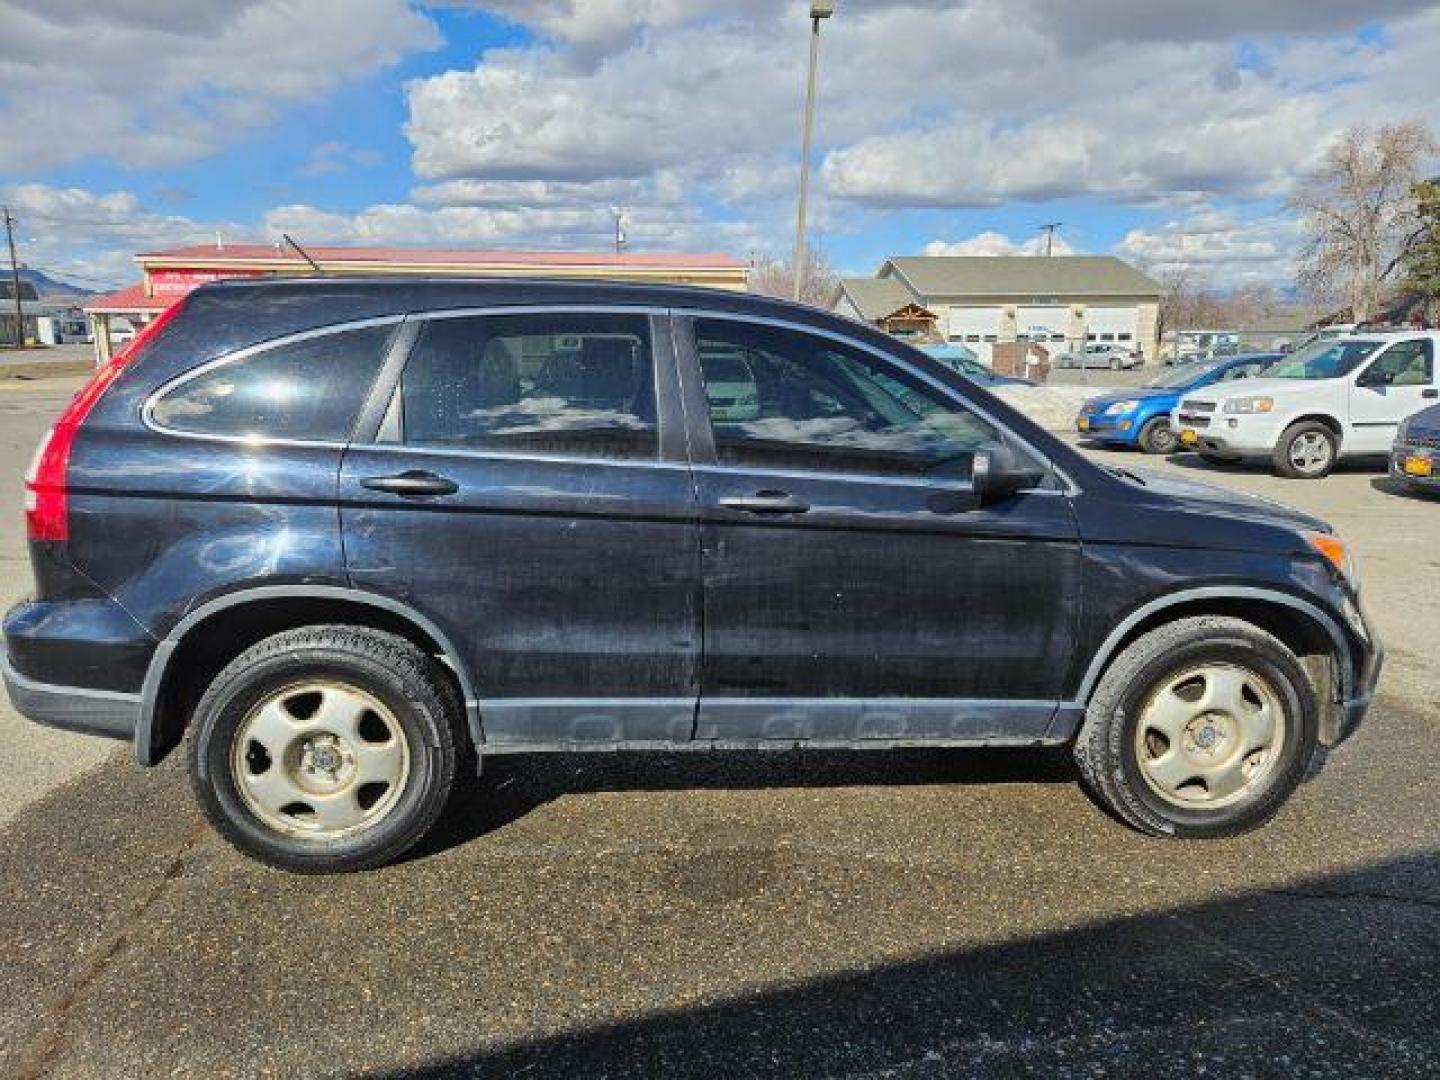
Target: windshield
1183,375
1322,360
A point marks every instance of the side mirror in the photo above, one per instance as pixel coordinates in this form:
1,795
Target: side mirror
999,474
1372,378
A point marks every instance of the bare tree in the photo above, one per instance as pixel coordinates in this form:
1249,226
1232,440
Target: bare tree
1355,209
819,285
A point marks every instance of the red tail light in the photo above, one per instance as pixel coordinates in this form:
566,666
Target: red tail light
47,510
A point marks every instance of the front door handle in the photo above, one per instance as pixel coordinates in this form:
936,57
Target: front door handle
414,484
766,502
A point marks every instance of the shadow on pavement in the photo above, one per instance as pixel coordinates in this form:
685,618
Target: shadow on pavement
515,785
1388,485
1257,465
1334,976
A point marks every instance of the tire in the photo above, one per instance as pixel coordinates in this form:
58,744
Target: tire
349,724
1306,451
1140,776
1157,437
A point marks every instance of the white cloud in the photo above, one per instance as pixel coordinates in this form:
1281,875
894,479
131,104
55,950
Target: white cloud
74,231
1218,245
154,82
1114,100
995,243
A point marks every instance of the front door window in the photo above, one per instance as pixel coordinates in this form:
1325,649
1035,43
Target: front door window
784,399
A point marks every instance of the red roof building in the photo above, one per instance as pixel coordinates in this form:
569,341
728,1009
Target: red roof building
171,274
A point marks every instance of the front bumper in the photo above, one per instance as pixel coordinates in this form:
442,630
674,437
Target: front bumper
109,713
1400,455
1108,428
1223,433
1368,657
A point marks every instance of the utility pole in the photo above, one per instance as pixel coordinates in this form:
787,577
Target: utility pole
819,9
1049,231
621,243
14,277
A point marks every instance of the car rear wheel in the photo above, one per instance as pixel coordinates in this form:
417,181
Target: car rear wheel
326,748
1201,728
1158,437
1306,451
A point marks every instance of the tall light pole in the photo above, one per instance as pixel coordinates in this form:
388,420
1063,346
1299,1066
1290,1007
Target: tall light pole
819,9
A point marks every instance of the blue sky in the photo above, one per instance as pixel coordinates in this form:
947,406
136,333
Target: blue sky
1168,136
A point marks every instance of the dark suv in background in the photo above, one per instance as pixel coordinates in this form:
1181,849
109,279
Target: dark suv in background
347,533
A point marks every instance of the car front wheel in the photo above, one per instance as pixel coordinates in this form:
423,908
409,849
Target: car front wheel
1158,437
1306,451
1201,728
326,748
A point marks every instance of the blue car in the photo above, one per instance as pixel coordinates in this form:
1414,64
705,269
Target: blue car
963,361
1141,417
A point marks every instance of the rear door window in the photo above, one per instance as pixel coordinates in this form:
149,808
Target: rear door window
307,390
564,383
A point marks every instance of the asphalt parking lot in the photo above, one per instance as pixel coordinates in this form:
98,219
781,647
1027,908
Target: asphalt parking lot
796,914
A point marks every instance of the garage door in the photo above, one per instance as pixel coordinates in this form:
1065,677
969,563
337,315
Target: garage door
1044,325
1112,325
976,327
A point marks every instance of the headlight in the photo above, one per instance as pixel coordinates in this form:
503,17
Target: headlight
1121,407
1336,552
1250,405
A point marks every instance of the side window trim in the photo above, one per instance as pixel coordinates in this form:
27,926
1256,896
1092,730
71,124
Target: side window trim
147,408
697,406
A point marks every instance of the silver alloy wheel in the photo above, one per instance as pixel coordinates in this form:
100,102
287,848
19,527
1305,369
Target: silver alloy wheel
1164,439
320,760
1210,736
1310,452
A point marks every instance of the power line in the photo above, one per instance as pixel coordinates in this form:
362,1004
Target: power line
48,272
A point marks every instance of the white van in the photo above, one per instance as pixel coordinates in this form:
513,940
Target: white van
1332,399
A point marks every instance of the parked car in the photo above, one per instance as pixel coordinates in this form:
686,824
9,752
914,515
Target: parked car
1141,418
1415,457
349,534
1333,399
1113,357
970,366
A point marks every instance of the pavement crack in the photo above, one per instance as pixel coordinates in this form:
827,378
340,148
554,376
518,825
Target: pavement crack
45,1051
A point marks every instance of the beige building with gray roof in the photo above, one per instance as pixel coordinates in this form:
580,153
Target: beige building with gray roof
1062,302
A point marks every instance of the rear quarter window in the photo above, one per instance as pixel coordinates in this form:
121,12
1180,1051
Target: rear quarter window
309,390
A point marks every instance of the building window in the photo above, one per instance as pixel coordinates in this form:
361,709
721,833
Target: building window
1123,337
1107,337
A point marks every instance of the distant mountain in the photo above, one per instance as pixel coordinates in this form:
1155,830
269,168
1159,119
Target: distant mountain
49,288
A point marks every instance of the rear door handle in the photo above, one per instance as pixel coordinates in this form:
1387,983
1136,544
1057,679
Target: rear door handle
1431,393
766,502
414,484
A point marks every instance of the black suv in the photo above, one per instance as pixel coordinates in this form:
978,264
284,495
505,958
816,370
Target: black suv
349,532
